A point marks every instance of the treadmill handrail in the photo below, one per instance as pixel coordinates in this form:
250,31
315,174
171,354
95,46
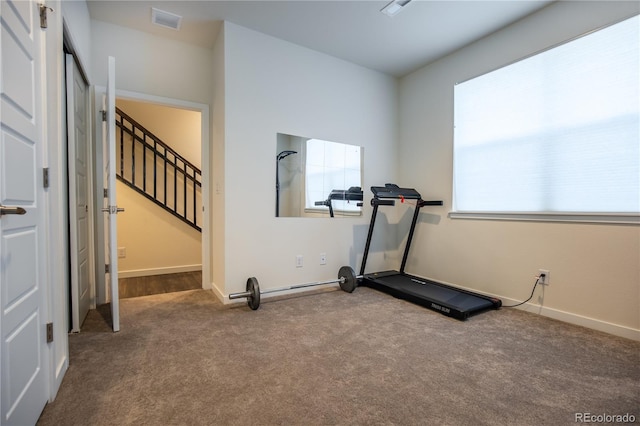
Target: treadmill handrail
385,196
431,203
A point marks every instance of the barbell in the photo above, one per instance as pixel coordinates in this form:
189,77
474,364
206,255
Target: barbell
346,277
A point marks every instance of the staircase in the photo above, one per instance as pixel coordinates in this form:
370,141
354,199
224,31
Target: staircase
153,169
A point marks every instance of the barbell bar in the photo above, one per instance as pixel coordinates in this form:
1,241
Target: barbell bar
346,278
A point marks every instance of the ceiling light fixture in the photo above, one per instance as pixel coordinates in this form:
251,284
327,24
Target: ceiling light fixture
394,7
165,19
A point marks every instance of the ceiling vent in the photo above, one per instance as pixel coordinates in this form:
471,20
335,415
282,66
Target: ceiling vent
165,19
394,7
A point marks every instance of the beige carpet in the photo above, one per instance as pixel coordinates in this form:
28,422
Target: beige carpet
336,358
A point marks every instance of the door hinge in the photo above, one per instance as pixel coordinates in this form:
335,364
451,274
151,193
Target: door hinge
45,177
104,114
106,268
43,15
106,192
49,332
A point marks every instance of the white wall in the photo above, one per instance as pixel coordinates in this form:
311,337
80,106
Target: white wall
150,64
595,268
78,27
274,86
155,241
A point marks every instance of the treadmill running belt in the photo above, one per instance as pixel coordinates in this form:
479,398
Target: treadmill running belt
431,294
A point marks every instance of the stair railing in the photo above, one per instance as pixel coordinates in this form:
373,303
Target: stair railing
152,168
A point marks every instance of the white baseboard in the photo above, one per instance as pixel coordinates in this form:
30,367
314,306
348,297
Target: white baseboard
219,294
568,317
158,271
571,318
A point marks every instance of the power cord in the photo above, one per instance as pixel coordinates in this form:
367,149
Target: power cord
538,278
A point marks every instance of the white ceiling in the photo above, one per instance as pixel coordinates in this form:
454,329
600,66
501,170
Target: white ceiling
355,31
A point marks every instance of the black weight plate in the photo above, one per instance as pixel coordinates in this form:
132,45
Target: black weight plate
349,276
254,288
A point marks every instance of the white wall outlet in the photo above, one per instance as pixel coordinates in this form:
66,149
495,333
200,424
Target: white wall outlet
323,258
299,261
122,252
543,280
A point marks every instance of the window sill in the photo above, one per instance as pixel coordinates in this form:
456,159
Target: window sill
596,218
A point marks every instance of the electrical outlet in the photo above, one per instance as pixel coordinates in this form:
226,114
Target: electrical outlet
323,258
122,252
299,261
543,280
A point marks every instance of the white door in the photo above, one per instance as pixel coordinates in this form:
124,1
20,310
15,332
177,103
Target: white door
24,354
109,144
78,193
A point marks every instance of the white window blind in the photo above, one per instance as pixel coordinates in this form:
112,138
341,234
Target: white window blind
329,166
558,132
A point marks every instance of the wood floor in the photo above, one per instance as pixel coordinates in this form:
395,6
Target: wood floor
156,284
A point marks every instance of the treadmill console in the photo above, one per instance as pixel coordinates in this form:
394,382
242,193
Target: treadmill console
391,190
448,300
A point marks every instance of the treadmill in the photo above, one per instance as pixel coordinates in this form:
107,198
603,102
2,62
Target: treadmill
450,301
352,194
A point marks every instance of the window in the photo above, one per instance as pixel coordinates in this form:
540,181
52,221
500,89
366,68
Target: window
329,166
555,133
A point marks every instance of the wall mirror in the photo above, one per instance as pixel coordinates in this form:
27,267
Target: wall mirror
317,178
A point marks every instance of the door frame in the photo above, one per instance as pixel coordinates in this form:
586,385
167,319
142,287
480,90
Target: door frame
57,36
203,109
57,288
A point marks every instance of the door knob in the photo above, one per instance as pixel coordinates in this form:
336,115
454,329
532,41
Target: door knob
11,210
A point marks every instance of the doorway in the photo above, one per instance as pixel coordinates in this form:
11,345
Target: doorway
159,162
130,251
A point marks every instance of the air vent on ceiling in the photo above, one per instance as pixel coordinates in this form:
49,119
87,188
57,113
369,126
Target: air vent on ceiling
165,19
394,7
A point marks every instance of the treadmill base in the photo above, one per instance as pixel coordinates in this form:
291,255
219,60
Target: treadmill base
450,301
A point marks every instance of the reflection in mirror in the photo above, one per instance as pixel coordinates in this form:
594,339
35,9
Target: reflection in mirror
317,178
